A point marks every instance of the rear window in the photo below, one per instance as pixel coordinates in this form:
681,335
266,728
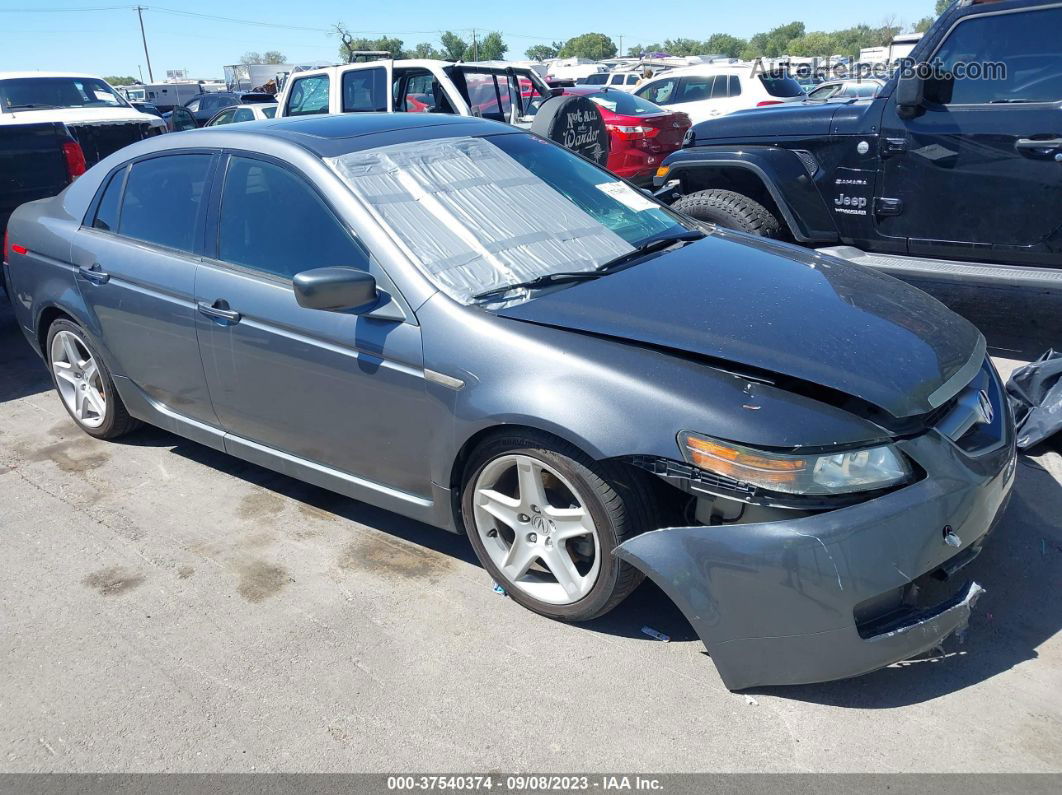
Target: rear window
597,80
251,99
623,103
781,85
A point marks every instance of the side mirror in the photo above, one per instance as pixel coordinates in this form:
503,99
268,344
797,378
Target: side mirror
335,289
910,94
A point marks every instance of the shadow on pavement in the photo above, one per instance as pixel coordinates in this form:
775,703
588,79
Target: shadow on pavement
22,373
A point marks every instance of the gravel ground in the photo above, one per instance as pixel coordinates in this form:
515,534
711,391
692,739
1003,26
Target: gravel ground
165,607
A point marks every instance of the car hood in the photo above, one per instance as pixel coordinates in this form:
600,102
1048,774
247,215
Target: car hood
782,310
790,119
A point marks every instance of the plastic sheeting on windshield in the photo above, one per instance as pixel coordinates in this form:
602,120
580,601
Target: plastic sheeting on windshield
474,218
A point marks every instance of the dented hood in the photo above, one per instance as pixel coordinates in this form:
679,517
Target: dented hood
781,309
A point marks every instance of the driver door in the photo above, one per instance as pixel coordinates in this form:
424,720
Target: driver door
970,177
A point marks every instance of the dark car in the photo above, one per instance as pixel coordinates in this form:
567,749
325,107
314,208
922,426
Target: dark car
205,106
950,173
471,326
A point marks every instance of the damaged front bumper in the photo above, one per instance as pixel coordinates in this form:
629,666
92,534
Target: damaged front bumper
840,593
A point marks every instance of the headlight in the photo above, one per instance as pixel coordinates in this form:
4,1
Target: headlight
832,473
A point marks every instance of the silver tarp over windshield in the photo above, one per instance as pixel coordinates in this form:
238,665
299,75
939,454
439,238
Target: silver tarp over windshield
472,217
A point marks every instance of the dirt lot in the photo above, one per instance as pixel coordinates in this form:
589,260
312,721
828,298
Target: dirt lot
165,607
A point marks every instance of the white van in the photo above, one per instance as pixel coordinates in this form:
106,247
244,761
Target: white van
710,90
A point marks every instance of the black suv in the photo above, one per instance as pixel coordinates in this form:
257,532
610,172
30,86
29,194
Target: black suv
954,175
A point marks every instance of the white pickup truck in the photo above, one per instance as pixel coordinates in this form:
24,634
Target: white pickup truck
489,90
98,118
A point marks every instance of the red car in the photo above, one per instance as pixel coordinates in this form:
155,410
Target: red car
641,134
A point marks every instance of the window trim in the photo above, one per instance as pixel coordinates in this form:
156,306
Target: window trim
990,105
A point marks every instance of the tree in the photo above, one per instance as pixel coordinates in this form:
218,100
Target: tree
251,57
811,44
349,45
425,50
491,47
682,47
115,80
922,25
542,52
777,40
273,57
724,44
942,6
595,46
454,47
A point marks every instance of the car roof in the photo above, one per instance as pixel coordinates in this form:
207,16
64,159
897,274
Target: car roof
330,135
15,75
705,70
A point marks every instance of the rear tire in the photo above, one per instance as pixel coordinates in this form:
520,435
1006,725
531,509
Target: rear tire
730,210
595,507
84,383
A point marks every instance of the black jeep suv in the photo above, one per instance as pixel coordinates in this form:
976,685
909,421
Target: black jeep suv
953,171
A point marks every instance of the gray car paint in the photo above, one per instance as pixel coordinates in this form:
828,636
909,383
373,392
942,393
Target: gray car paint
384,406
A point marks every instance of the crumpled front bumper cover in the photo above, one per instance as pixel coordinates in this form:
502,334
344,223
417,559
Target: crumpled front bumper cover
779,602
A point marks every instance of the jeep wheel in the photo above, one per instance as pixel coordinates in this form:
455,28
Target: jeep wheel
731,210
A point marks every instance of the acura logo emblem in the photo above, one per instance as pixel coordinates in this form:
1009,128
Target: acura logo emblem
984,407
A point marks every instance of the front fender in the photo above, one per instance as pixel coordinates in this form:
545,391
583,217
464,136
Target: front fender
782,173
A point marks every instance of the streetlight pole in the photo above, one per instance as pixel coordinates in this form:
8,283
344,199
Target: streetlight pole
140,15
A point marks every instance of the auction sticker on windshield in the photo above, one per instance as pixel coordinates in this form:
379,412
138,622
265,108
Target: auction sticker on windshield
628,196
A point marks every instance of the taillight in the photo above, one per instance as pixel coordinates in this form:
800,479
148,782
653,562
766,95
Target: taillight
75,159
630,133
769,102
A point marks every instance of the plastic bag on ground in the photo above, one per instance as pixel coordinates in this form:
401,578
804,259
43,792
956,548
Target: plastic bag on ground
1035,393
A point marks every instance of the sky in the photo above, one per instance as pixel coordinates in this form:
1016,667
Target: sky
99,37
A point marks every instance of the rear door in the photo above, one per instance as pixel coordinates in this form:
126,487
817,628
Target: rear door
137,256
979,174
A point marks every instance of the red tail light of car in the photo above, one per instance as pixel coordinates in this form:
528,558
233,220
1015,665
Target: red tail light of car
626,132
75,159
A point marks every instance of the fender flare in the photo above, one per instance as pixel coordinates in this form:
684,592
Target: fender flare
782,173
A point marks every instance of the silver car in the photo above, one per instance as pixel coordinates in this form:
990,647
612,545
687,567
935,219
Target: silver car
473,327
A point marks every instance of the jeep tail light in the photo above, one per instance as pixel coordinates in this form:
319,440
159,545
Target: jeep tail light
769,102
75,159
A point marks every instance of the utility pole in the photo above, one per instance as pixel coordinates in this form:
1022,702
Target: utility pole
140,15
475,47
621,46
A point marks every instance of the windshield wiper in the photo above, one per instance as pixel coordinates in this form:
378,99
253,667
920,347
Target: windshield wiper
539,281
28,105
648,247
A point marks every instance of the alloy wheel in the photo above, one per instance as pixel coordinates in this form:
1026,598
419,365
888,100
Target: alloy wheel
536,529
78,378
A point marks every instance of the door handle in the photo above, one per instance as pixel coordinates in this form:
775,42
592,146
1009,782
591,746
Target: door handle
94,274
1032,143
219,310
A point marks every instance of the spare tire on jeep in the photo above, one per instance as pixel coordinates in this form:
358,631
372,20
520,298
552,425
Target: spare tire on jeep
575,123
731,210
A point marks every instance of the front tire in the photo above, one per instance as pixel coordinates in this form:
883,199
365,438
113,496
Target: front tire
544,518
730,210
84,383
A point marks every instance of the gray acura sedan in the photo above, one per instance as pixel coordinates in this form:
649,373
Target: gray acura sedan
470,326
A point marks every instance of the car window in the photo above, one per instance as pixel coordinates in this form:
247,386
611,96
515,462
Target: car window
243,114
162,200
1025,44
225,117
181,119
193,106
735,86
863,90
823,92
632,79
721,88
274,222
107,212
483,95
270,113
617,80
661,92
596,79
781,85
417,94
308,95
624,103
696,89
365,90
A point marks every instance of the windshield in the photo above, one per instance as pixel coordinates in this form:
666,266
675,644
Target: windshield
476,214
781,85
45,93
